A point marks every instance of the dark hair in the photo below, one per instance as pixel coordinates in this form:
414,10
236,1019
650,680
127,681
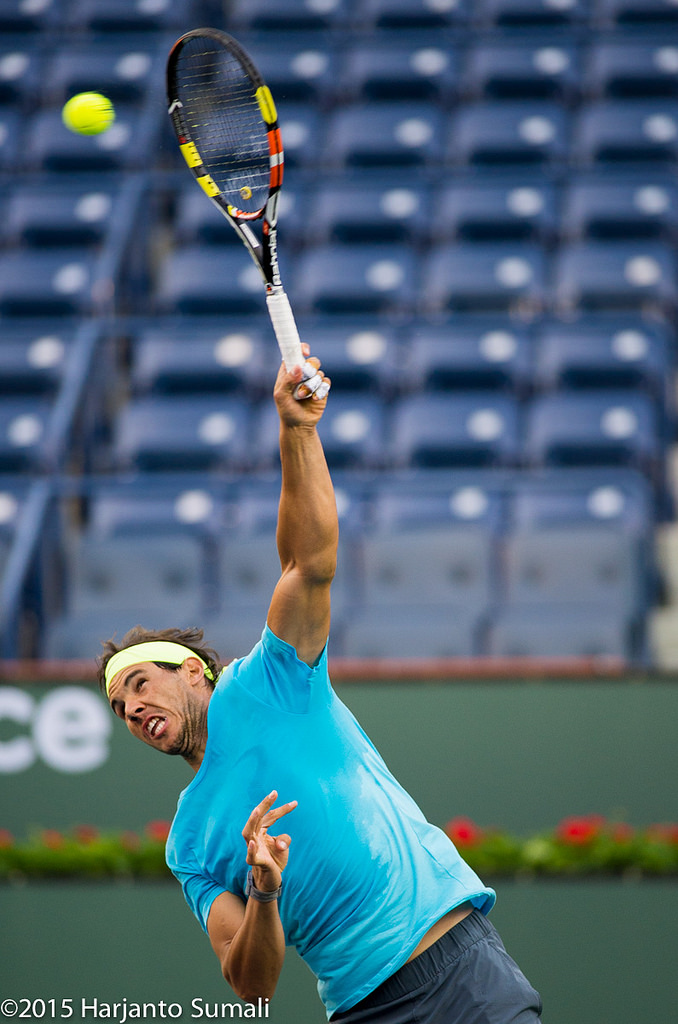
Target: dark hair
192,638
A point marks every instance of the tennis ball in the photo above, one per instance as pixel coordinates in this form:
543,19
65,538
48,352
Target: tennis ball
88,113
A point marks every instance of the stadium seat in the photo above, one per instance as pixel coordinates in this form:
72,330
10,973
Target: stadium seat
54,282
615,275
563,633
464,355
355,279
604,352
16,16
301,127
413,14
475,429
360,355
649,13
11,137
385,135
635,130
156,505
297,69
287,15
60,215
618,498
495,212
202,279
191,357
422,499
365,211
352,431
593,428
182,433
488,277
508,133
529,71
21,68
130,15
411,632
24,429
33,361
632,69
123,71
406,71
533,13
127,144
600,207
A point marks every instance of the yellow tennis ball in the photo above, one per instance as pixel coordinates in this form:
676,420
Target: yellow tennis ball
88,113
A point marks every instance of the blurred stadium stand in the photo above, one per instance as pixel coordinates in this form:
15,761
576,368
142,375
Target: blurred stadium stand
478,232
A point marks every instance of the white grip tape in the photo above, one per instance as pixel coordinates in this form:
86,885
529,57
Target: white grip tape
285,328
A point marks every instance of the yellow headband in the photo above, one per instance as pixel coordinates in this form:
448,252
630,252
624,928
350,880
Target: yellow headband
152,650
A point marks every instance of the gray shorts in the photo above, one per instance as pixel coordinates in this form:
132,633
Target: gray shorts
466,977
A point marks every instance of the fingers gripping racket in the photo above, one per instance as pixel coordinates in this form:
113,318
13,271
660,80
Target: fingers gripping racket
227,127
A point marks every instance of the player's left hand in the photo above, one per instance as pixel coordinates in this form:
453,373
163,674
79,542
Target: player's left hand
299,403
266,854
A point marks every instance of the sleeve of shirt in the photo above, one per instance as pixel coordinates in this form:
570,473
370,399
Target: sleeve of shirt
275,675
199,892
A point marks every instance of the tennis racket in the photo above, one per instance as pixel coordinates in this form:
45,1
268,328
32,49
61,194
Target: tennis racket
227,128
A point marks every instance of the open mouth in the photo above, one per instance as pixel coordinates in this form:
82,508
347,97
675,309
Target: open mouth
155,726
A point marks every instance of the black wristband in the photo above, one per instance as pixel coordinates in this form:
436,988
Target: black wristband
259,894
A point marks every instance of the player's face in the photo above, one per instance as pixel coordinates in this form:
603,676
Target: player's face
164,708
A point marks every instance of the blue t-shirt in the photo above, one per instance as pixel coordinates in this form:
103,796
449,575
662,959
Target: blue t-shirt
367,875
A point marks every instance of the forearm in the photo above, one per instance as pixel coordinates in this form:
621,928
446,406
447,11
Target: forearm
254,959
308,528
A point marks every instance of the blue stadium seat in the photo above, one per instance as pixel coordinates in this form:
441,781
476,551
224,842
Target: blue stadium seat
202,279
631,69
593,428
51,283
297,69
615,275
413,14
463,355
407,71
365,211
33,361
11,132
508,133
601,207
191,357
649,13
496,212
123,71
301,127
127,144
492,276
419,499
16,16
634,130
411,632
474,429
130,15
182,433
21,67
360,355
387,135
156,505
60,215
618,498
563,633
534,13
353,432
584,564
24,429
535,71
356,279
604,352
287,15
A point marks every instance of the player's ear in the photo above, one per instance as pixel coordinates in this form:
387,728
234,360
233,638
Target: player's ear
194,671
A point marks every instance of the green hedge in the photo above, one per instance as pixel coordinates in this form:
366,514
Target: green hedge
576,847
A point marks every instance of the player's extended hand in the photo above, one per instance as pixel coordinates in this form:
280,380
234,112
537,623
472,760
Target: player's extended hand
266,854
307,408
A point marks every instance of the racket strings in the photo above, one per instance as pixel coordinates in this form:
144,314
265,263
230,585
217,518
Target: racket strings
223,117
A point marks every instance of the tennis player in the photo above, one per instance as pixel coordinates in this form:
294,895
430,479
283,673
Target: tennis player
336,858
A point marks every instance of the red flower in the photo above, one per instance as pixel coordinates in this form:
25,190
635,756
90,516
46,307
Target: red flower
6,839
158,830
578,831
464,832
622,833
663,832
52,839
130,840
86,834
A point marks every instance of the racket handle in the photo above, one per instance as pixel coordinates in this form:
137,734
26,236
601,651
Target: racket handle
285,328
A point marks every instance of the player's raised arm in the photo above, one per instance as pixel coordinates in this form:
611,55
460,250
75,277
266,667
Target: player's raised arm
307,523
